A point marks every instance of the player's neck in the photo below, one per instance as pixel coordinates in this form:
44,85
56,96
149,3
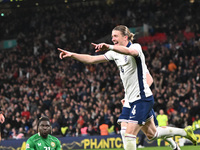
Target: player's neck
42,136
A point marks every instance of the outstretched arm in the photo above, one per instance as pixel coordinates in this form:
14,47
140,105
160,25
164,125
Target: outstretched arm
84,58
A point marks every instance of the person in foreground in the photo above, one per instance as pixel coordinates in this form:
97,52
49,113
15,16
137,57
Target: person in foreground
131,62
43,140
123,120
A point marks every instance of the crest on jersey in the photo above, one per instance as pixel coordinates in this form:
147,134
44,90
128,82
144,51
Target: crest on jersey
53,144
27,146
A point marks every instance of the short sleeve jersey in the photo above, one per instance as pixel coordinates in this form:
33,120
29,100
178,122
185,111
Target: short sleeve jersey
36,142
132,72
162,120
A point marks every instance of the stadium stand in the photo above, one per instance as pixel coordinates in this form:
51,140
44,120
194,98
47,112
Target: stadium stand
35,82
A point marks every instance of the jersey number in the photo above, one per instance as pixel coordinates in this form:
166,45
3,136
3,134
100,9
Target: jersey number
47,148
134,110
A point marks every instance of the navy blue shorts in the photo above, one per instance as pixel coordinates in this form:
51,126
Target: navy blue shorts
139,112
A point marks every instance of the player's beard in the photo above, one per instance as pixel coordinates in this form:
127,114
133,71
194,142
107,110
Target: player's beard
45,133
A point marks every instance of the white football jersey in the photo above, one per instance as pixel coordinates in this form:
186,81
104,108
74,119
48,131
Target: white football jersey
132,72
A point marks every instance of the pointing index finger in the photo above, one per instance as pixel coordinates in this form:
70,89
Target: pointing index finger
60,49
93,44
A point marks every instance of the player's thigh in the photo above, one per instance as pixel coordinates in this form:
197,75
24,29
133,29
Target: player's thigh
149,129
133,128
124,124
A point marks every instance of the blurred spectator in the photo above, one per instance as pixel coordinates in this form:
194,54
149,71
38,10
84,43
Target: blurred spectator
48,114
195,110
96,125
111,126
162,121
84,129
196,123
7,131
71,131
55,126
90,129
20,134
72,119
103,129
172,66
187,120
80,121
77,132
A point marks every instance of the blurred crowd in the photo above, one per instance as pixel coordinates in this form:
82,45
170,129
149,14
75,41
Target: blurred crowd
85,99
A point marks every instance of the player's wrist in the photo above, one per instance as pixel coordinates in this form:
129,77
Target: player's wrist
111,47
72,55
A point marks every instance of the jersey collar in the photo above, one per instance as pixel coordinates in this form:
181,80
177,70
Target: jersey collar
129,44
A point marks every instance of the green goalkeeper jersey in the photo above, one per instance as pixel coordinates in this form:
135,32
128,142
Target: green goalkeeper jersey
36,142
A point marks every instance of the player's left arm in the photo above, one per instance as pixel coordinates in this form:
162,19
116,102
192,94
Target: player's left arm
149,79
118,48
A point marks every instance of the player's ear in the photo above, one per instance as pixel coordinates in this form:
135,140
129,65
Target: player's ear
51,129
126,37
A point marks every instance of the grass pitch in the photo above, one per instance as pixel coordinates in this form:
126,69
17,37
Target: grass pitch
168,148
161,148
